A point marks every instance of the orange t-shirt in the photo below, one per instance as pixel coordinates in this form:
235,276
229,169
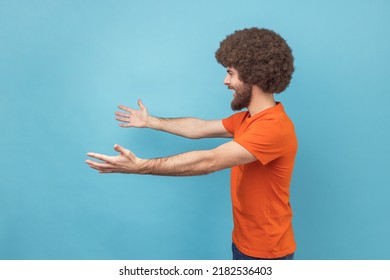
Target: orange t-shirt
261,190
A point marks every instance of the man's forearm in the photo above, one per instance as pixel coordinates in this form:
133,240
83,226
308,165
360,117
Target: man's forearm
186,164
186,127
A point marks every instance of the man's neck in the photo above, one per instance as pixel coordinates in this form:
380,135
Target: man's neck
260,101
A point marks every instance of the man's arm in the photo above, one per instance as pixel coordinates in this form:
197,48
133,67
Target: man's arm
186,164
187,127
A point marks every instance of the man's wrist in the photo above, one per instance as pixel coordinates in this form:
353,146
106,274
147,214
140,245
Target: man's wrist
152,122
142,166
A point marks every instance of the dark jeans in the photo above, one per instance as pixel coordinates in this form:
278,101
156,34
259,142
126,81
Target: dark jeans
237,255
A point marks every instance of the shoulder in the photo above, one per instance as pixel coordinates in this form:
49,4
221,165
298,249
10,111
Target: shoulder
239,115
275,117
234,121
271,126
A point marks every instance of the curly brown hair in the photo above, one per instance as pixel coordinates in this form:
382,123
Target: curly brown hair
261,57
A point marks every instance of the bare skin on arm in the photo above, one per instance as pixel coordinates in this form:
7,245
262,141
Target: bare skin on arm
193,128
185,164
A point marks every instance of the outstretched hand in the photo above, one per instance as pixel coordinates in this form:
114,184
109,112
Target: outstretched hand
125,162
133,118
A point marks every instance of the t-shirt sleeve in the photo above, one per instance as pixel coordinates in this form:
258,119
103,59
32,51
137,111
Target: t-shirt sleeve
233,122
229,124
264,140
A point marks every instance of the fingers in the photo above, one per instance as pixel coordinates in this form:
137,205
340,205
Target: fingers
101,166
107,166
127,109
130,110
122,119
127,153
120,149
113,164
108,159
100,157
124,115
131,117
140,104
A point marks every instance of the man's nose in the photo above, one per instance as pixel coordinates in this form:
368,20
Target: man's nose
226,81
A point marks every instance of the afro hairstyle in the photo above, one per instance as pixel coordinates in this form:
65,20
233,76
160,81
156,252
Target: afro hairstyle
261,57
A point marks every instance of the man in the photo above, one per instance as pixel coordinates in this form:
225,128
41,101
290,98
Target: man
259,63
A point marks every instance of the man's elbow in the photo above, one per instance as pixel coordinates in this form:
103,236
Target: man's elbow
194,136
215,163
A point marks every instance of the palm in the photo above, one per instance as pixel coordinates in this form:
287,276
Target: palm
125,162
138,118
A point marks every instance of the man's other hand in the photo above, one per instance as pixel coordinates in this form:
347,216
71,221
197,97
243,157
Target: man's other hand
125,162
132,117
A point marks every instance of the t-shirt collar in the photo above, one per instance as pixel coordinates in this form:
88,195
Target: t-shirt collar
277,108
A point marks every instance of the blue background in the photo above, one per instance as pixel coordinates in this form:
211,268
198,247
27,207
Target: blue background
66,65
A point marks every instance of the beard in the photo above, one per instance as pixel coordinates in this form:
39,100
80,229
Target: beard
242,97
